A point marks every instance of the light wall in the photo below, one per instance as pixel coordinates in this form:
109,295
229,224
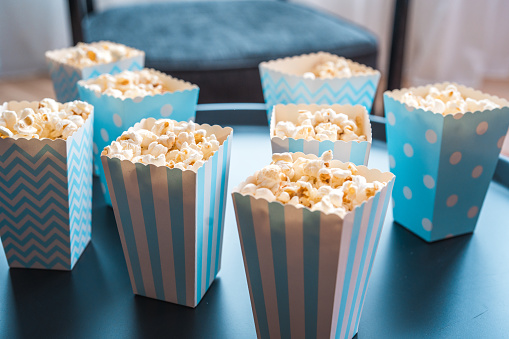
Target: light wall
28,28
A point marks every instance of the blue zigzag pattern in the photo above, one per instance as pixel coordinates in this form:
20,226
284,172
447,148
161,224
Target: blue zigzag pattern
22,208
280,91
79,165
65,80
64,83
46,202
115,70
36,262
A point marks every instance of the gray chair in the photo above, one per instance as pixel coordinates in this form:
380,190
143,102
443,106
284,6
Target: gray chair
219,44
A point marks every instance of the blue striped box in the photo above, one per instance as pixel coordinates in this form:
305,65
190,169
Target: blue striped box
352,151
283,83
65,77
307,271
115,115
444,164
46,197
171,222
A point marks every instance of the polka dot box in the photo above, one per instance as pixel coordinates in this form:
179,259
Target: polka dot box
115,115
444,164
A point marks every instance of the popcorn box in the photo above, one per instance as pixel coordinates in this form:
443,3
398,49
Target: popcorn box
283,83
444,164
308,271
114,115
46,197
171,222
65,77
352,151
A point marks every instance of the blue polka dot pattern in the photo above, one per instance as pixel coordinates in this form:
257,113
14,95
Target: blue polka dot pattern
458,154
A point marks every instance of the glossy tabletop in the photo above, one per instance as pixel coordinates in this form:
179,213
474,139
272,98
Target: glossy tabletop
457,288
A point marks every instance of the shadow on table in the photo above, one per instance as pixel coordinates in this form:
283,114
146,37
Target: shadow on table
422,283
68,306
220,314
155,318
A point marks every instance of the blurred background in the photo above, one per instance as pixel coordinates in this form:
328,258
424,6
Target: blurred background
463,41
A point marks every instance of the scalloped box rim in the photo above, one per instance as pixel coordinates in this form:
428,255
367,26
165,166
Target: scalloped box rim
349,111
273,65
186,86
469,92
52,56
207,127
372,172
32,104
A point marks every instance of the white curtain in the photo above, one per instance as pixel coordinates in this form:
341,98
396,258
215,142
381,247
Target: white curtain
447,40
458,40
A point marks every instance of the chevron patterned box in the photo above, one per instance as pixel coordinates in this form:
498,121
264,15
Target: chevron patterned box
115,115
444,164
308,271
352,151
283,82
65,77
46,197
171,222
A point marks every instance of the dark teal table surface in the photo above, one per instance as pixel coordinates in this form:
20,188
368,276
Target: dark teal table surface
457,288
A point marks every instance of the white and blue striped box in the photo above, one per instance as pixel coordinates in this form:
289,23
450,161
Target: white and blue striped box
171,222
444,164
65,77
114,115
46,197
356,152
283,83
308,271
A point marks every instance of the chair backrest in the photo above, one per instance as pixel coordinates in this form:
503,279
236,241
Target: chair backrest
78,10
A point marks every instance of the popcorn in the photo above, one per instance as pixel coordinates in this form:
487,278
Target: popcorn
322,125
248,189
265,194
150,159
311,183
165,143
327,131
85,55
5,132
49,119
448,101
332,69
129,84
